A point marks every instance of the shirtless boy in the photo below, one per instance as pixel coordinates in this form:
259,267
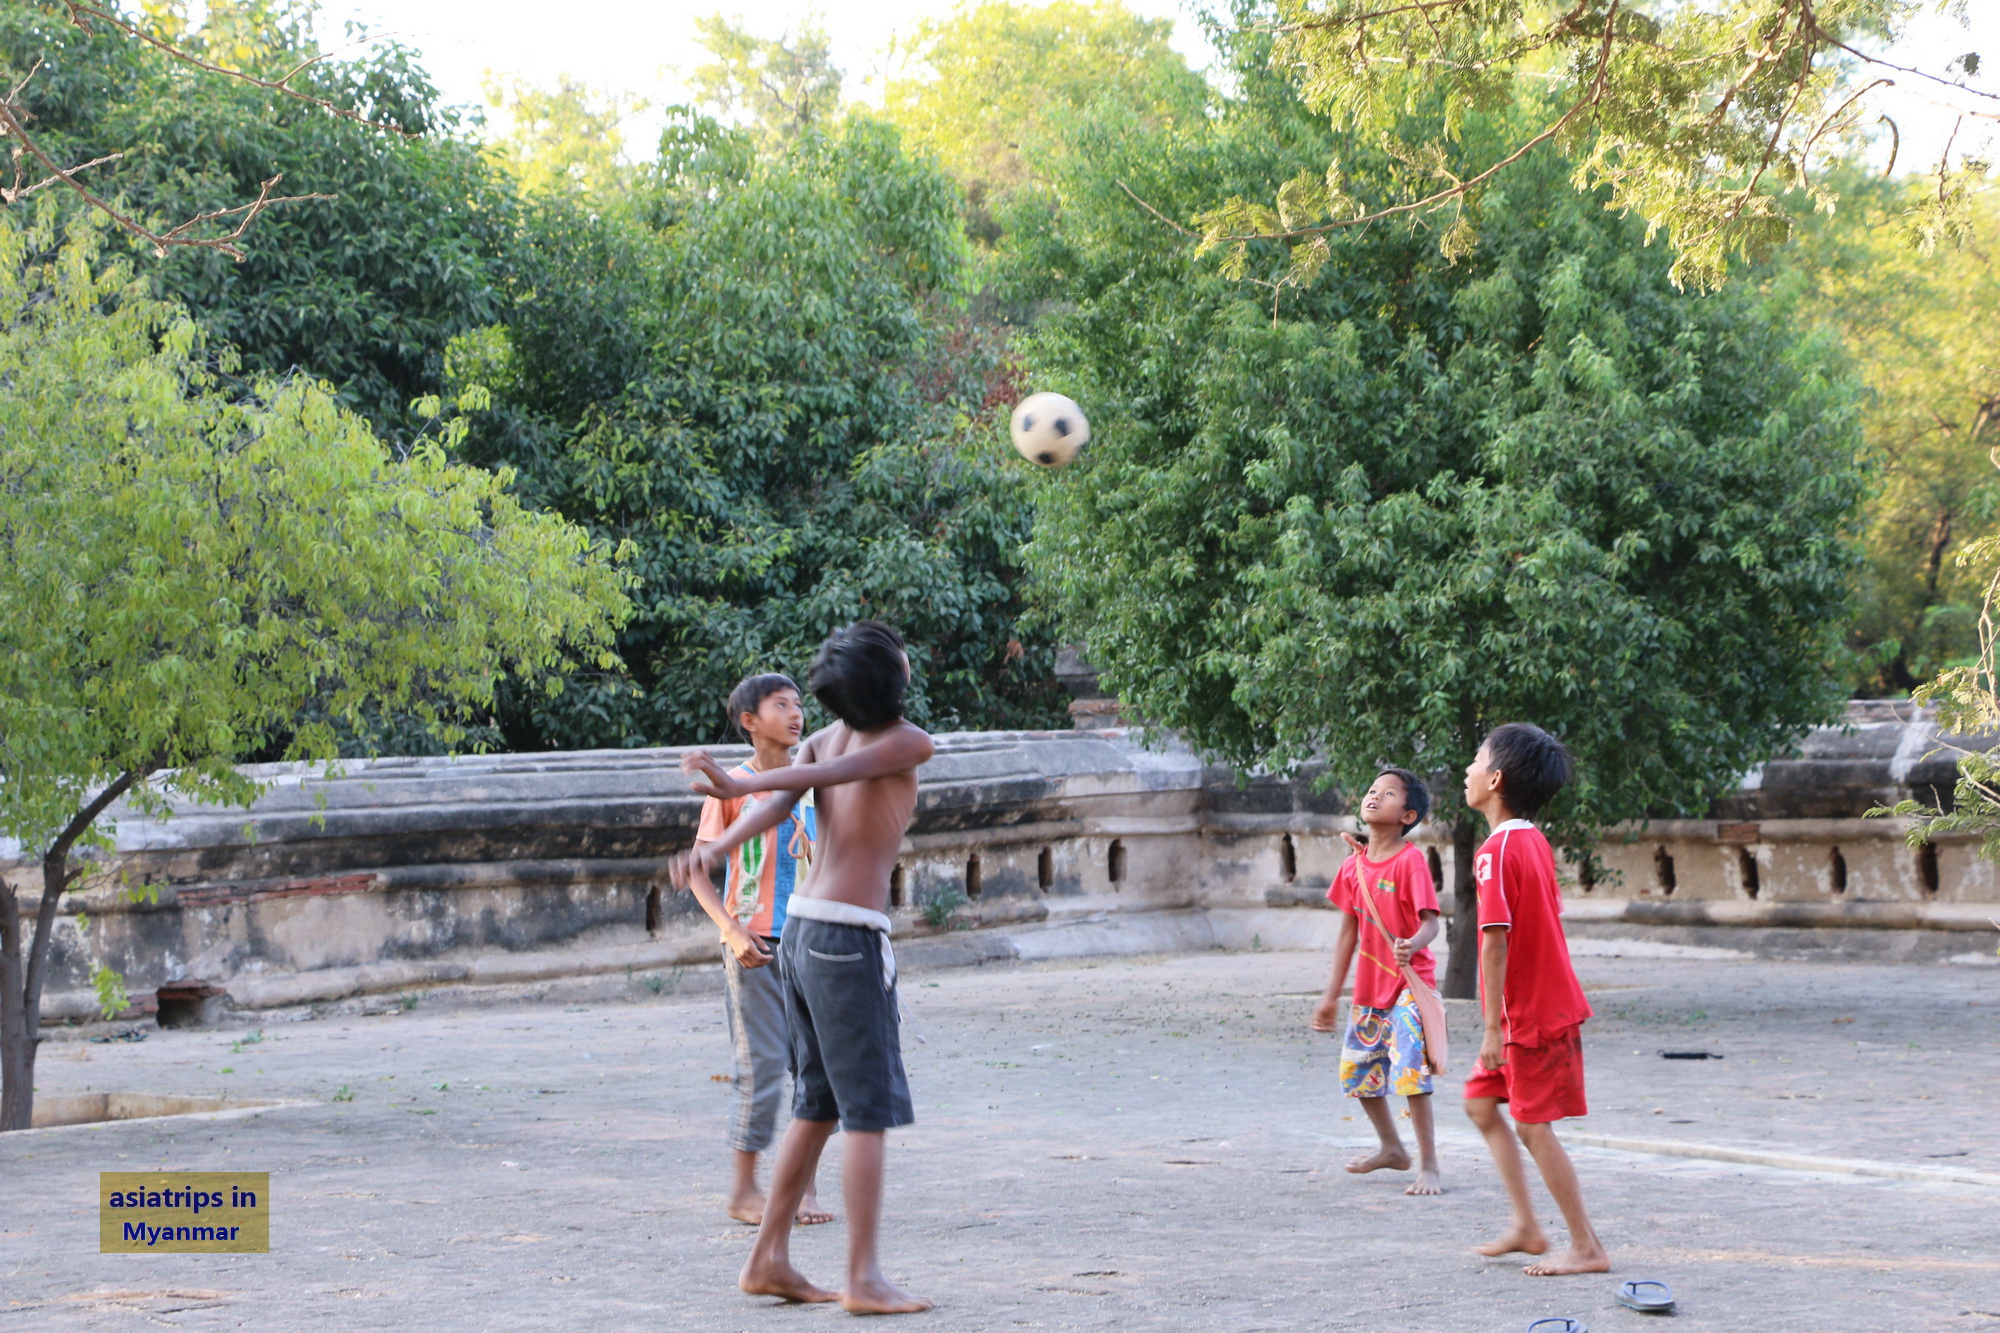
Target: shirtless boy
838,971
1532,1054
1383,1051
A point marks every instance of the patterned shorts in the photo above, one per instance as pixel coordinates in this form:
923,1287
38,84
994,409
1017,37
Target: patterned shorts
1384,1051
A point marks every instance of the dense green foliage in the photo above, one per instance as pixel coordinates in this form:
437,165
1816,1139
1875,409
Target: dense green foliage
1920,329
1371,518
363,290
194,575
758,375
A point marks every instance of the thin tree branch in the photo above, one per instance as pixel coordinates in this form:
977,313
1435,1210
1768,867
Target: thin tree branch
160,241
1595,96
1157,213
80,14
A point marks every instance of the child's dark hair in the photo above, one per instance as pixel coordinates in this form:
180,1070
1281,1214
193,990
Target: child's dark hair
1533,766
859,675
750,694
1416,794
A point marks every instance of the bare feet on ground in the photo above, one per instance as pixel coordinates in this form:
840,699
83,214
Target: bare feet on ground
1516,1240
880,1296
749,1209
1382,1159
1427,1182
782,1281
1572,1260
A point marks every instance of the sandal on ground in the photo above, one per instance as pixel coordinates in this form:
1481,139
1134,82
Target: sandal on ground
1646,1296
1561,1323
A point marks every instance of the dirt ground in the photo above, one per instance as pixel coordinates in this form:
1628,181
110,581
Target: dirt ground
1123,1144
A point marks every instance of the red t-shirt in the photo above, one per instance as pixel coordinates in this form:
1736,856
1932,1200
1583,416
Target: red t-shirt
1516,875
1400,889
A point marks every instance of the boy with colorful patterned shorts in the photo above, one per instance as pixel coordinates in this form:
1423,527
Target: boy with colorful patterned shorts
1389,914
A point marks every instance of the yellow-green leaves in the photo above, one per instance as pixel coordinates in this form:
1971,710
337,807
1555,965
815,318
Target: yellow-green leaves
195,574
1696,117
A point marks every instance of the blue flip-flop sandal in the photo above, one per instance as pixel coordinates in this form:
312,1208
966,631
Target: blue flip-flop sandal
1558,1324
1646,1296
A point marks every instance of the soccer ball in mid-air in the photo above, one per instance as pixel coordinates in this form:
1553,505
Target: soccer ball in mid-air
1049,429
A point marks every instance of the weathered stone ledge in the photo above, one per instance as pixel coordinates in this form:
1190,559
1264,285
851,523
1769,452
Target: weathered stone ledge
400,873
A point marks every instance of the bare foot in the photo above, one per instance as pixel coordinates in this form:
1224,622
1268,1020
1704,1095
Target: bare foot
782,1281
1519,1240
810,1214
1572,1260
1427,1182
747,1208
880,1296
1390,1159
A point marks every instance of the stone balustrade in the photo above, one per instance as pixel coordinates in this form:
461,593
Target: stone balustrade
400,873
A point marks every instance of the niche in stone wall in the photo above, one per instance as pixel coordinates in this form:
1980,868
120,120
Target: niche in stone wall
1437,867
1927,868
974,877
653,910
897,897
1288,859
1663,871
1117,861
1746,869
1045,869
1837,871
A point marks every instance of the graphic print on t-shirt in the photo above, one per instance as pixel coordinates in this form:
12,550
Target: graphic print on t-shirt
762,873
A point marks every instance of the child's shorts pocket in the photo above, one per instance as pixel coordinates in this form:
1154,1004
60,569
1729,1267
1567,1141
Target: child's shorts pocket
836,957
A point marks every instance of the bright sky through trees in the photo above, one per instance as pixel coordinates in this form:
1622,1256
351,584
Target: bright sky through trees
631,46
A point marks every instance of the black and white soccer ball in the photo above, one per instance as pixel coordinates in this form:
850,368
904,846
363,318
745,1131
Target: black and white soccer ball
1049,429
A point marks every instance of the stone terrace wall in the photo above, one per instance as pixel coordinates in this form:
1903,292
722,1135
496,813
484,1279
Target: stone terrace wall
414,872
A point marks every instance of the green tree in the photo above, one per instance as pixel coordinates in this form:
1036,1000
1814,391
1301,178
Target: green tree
1697,117
189,569
782,85
982,87
1418,498
760,375
363,289
567,137
1920,331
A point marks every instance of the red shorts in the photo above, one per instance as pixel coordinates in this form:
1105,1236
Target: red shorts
1539,1083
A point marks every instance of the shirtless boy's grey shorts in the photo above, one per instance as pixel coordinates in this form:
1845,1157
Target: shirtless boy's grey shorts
847,1049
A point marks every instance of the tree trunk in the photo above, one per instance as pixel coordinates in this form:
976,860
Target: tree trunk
1461,964
17,1048
22,971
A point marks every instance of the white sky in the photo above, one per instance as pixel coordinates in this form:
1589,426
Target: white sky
639,48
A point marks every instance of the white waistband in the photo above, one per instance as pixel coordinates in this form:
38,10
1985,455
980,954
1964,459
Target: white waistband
839,913
847,914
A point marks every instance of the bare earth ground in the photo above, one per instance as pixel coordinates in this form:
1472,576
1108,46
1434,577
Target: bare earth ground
1103,1144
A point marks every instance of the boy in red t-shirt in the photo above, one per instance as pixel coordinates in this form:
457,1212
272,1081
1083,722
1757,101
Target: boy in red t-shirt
1384,1052
1532,1054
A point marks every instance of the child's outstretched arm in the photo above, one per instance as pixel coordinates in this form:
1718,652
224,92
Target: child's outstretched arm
749,950
759,819
900,750
1327,1017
